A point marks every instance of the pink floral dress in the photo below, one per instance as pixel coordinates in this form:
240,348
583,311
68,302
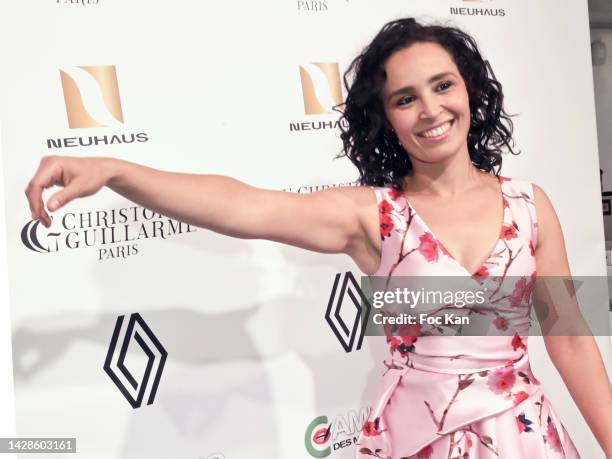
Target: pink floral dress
464,396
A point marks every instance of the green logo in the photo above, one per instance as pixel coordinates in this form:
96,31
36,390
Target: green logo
318,433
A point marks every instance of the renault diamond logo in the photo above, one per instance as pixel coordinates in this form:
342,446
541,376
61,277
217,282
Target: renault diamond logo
91,94
321,87
137,331
347,298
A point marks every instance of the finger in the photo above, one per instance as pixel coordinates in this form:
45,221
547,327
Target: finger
37,208
47,175
46,220
34,195
63,196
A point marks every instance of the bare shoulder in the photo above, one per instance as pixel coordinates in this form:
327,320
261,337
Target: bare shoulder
353,198
539,195
365,246
551,254
363,200
545,211
360,195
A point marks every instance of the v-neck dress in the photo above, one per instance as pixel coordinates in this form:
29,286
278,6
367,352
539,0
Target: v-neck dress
442,397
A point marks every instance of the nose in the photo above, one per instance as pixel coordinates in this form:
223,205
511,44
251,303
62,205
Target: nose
430,108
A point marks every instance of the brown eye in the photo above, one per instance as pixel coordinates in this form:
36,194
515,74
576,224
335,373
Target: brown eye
405,100
445,85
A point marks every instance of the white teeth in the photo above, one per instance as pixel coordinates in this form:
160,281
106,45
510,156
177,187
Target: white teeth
437,131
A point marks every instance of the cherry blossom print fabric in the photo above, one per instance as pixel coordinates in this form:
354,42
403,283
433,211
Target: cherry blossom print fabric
472,397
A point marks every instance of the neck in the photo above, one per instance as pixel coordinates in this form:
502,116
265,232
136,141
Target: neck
444,179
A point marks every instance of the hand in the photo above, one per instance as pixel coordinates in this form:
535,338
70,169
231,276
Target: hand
79,177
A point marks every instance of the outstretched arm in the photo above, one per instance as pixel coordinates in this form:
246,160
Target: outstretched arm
328,221
569,341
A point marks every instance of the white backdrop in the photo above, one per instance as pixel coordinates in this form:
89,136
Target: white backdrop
215,87
7,419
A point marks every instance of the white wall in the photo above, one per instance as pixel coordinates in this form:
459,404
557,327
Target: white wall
7,418
215,86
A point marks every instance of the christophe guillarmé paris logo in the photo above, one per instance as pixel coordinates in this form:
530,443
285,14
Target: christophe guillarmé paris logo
136,383
321,87
91,94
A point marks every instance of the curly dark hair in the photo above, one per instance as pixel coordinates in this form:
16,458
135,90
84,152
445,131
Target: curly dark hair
374,148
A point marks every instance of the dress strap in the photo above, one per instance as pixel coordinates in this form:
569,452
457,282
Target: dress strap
532,213
520,197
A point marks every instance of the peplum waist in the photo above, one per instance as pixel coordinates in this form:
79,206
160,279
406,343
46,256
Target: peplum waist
446,388
463,354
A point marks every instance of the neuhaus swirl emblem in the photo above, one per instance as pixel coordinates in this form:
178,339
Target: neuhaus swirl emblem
91,94
321,87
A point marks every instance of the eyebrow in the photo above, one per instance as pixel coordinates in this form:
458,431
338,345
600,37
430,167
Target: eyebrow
410,89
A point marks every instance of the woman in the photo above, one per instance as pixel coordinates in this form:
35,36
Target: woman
425,123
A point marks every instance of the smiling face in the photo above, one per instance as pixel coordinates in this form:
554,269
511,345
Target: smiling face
426,102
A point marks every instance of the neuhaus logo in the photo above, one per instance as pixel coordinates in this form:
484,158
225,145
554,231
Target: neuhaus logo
321,92
92,97
347,311
322,437
477,8
92,100
132,385
114,233
321,87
